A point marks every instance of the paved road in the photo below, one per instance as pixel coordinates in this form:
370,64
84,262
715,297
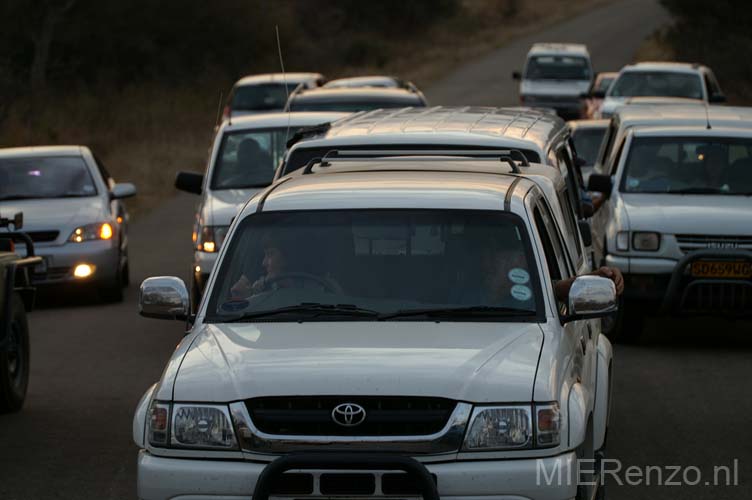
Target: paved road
682,399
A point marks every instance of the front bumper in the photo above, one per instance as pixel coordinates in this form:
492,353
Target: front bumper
60,261
669,284
161,478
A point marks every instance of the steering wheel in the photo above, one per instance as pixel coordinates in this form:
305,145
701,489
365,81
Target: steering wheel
329,285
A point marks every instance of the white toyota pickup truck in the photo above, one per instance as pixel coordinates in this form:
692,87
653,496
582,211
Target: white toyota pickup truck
384,329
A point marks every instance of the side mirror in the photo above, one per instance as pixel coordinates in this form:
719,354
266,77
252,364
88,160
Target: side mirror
591,297
122,190
600,183
598,94
190,182
717,98
164,297
585,232
516,75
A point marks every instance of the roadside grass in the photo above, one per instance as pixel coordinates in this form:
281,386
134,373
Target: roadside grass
146,132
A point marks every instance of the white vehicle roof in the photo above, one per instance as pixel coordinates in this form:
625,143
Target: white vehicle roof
410,183
36,151
718,116
473,126
691,131
280,119
293,78
676,67
364,81
539,49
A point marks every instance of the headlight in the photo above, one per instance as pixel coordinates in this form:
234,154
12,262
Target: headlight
511,427
89,232
646,242
211,237
500,428
191,426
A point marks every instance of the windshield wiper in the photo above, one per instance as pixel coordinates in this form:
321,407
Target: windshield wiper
697,190
459,312
314,309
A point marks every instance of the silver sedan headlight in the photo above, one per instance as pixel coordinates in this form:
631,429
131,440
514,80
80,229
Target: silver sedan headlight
194,426
496,428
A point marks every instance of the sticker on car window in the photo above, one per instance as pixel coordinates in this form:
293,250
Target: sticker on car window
521,292
518,275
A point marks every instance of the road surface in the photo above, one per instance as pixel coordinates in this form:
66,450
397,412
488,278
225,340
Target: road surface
682,399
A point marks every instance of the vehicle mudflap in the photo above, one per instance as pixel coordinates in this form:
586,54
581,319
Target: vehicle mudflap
345,461
728,296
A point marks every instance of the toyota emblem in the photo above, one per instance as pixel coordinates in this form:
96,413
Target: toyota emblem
348,414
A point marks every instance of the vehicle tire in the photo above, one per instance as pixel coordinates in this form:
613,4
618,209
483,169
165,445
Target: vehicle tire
628,326
14,363
112,291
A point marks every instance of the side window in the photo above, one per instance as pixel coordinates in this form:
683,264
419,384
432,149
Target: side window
558,257
548,248
106,177
711,84
606,145
617,157
573,231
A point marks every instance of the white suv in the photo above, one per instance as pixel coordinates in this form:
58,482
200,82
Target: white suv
677,220
661,79
383,328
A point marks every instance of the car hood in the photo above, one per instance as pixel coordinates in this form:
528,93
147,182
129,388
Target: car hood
689,214
55,214
223,205
476,362
571,88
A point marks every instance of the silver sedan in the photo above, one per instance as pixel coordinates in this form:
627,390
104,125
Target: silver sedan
73,212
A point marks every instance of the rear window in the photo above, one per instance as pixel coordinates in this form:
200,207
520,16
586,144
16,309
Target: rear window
300,157
45,177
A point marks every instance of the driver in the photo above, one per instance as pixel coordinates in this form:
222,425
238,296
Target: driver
278,255
715,161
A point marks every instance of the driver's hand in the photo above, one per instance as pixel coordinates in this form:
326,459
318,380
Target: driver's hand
614,274
242,288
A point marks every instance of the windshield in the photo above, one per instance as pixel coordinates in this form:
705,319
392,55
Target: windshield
587,142
265,97
351,107
657,84
557,68
247,159
689,165
377,262
45,177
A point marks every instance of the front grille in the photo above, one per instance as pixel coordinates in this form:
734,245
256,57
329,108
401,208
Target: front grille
302,484
730,297
43,236
690,242
385,416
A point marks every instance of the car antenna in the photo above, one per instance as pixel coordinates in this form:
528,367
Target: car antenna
284,81
219,109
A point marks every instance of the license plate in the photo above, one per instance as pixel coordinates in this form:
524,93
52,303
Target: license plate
711,269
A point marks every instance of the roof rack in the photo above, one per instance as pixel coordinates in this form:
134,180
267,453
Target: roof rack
503,155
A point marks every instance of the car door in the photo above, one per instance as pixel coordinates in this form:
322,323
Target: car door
561,266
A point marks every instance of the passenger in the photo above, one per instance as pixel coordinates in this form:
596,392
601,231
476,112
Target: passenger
714,168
